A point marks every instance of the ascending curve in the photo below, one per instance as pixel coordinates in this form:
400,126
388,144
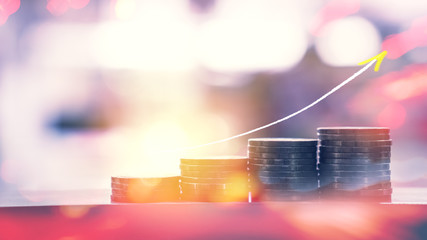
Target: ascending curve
377,59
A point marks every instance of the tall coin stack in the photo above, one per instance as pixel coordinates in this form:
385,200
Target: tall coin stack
283,169
140,190
354,163
214,179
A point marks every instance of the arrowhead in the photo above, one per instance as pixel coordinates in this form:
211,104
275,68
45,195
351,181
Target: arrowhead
379,58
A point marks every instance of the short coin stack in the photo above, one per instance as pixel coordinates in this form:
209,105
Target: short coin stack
354,163
140,190
283,169
214,179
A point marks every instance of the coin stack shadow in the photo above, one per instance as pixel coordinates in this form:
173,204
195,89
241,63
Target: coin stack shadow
214,179
143,190
354,163
283,169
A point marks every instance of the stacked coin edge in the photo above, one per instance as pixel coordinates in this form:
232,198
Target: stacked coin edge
282,169
354,163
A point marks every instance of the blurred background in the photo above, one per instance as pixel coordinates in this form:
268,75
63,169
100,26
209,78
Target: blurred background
95,88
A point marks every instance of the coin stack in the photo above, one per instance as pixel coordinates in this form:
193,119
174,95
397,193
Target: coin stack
283,169
354,163
141,190
214,179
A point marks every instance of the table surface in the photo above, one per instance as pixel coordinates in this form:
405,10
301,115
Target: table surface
88,214
102,196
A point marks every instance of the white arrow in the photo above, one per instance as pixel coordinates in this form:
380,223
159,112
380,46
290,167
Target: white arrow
378,58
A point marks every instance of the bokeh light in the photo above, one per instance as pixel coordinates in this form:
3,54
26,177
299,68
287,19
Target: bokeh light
91,89
59,7
251,45
124,9
150,49
7,8
401,43
333,10
411,85
348,41
255,38
392,116
396,11
74,211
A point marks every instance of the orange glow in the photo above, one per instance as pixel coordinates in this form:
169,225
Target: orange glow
138,191
70,238
148,151
148,190
392,116
238,187
74,211
158,143
7,8
59,7
401,43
